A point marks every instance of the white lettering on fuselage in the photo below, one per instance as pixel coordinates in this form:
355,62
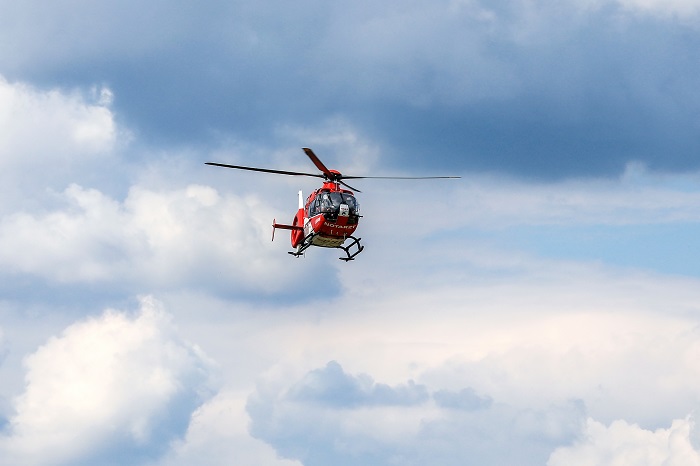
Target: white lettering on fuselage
341,227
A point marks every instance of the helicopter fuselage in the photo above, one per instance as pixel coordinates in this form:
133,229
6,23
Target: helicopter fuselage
327,219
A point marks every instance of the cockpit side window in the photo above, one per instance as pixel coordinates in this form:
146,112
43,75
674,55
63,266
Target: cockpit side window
315,206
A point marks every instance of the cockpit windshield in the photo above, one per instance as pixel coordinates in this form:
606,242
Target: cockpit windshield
328,203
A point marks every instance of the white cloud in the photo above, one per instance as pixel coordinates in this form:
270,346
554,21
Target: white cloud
109,389
49,138
622,443
34,121
170,238
51,125
615,364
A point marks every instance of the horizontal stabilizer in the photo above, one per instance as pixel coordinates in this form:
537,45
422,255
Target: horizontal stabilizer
282,226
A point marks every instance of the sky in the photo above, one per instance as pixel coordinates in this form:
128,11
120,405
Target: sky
542,310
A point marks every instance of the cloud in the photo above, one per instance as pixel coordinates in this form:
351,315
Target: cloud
34,120
49,138
625,443
487,318
531,88
110,389
176,237
612,343
57,144
465,399
641,220
218,435
326,416
528,340
321,419
638,196
500,434
80,33
512,371
333,387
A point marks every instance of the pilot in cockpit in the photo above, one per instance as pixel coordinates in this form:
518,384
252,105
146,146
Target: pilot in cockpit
326,204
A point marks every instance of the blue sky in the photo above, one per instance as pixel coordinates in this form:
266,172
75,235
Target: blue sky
541,310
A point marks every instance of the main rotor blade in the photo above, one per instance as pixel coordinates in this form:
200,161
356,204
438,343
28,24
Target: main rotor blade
391,178
400,177
319,164
348,186
264,170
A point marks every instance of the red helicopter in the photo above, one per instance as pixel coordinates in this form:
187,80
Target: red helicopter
330,215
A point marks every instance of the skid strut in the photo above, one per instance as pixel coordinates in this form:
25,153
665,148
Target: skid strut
305,244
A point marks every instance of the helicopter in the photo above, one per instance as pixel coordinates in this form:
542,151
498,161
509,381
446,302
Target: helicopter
330,215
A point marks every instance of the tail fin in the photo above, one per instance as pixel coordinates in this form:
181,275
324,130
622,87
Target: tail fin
298,225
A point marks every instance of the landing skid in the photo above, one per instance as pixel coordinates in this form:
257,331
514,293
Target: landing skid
308,241
354,243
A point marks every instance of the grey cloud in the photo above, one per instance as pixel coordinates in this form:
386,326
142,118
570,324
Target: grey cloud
465,399
498,435
333,387
301,422
521,87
